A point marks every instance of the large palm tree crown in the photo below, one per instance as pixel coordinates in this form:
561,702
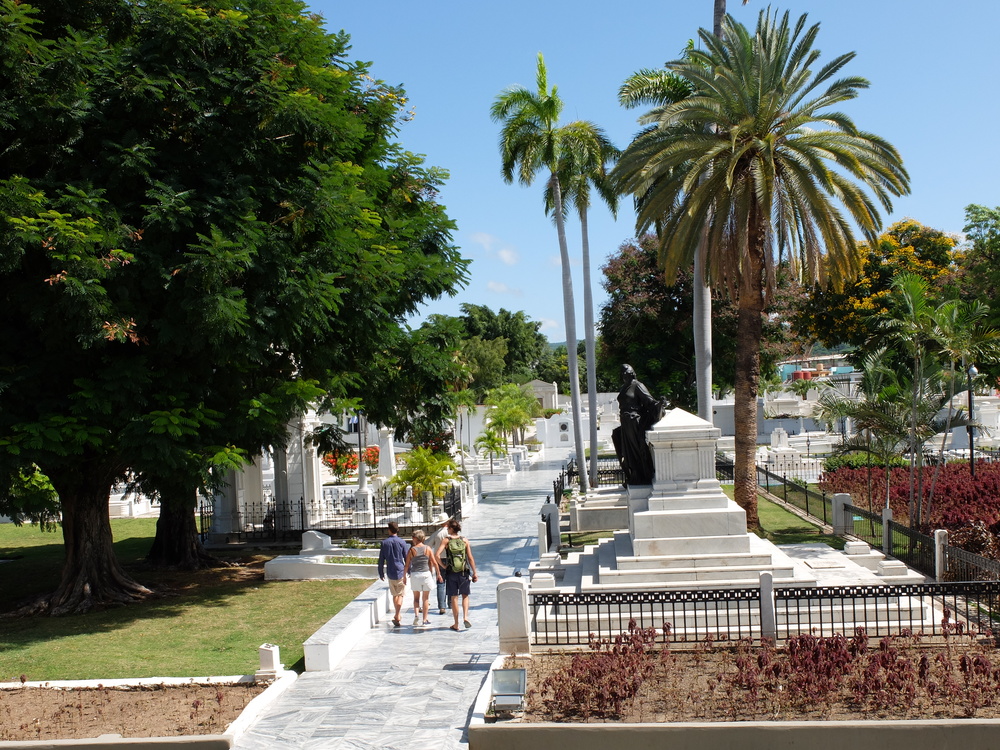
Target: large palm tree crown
530,139
756,158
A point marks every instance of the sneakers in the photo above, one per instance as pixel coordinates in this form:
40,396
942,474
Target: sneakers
441,611
427,622
396,623
416,622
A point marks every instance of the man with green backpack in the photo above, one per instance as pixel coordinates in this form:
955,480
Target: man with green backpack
460,566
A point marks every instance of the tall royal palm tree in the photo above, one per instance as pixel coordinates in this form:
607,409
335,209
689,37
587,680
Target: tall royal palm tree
756,165
582,166
531,141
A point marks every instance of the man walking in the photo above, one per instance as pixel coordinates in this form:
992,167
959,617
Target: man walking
391,559
434,543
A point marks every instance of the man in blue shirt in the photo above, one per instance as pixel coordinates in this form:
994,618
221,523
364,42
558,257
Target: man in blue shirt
391,558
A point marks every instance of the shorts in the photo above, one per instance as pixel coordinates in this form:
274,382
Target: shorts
397,587
421,582
457,584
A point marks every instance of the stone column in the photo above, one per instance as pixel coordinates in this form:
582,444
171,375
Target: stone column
513,619
386,453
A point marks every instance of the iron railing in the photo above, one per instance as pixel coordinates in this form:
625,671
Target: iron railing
968,566
571,619
928,609
912,547
338,515
866,526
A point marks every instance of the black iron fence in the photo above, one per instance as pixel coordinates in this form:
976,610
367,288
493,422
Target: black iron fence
609,472
339,515
968,566
866,526
571,619
912,547
559,487
929,609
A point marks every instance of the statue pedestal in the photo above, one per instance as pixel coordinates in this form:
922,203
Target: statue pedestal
683,531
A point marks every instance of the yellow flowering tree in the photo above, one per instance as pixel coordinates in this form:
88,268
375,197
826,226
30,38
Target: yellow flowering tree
835,316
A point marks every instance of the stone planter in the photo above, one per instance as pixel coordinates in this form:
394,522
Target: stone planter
745,735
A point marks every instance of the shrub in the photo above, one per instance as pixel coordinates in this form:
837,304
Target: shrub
859,461
342,463
957,500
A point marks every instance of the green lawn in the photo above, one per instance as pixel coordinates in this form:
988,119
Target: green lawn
205,623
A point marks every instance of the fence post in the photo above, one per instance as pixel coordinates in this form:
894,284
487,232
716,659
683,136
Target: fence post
512,616
768,614
887,531
840,524
940,554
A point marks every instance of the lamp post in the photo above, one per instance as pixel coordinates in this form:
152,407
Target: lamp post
972,372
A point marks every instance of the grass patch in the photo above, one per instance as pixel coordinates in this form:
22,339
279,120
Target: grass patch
208,622
781,526
577,540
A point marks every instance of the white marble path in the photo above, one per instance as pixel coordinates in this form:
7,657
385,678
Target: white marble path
407,688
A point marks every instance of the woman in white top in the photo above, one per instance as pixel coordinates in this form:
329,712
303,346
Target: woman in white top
422,567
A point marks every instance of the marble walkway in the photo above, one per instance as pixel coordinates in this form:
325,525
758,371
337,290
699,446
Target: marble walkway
407,688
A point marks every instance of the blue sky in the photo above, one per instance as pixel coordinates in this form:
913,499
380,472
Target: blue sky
933,69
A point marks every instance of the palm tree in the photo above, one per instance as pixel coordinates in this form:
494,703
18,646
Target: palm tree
530,142
583,164
491,442
743,165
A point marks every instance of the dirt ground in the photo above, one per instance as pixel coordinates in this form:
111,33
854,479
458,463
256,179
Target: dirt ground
151,711
701,686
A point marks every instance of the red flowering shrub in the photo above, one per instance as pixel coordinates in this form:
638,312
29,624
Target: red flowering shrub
958,498
342,463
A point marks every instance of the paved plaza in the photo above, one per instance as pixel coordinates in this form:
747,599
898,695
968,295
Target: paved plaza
414,688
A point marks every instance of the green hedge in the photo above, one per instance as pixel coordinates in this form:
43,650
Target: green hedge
859,461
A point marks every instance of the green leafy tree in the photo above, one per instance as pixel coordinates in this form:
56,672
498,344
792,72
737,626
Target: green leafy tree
525,346
531,142
647,323
207,225
837,314
742,165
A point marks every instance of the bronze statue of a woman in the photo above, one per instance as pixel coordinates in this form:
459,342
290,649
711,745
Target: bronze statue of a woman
638,411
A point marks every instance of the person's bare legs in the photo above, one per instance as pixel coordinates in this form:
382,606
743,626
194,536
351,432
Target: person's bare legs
427,601
397,602
416,606
465,610
454,610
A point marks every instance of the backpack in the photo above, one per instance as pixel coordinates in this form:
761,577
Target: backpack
456,555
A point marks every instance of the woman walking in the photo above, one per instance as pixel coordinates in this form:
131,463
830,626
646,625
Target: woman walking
422,567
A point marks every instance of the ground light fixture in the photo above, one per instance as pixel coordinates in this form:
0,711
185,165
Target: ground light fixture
508,690
972,372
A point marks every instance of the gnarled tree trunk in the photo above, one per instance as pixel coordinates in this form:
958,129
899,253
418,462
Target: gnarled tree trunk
177,543
92,575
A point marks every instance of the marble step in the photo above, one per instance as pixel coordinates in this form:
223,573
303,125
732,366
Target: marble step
742,559
696,574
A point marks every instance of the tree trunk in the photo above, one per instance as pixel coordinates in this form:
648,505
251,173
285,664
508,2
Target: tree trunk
588,322
702,335
718,13
749,330
92,575
177,544
569,314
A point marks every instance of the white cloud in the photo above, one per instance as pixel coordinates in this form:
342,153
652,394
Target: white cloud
498,287
550,325
494,247
508,256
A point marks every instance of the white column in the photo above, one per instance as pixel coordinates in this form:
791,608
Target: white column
513,620
386,453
